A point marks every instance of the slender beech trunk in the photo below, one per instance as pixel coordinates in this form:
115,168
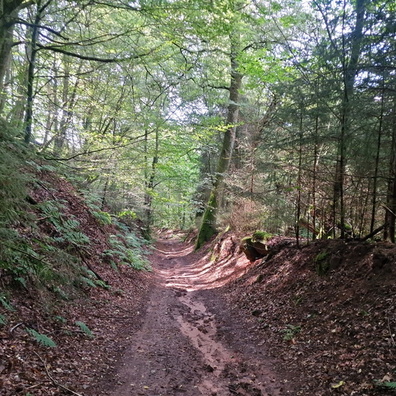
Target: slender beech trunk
30,81
60,138
52,93
31,69
208,225
150,173
104,196
6,35
69,98
8,16
314,174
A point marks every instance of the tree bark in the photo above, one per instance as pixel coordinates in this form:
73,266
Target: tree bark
377,164
299,177
349,76
390,217
150,173
31,70
8,16
208,225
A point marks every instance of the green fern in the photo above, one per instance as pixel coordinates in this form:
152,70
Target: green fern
42,339
67,227
22,281
6,304
386,384
114,266
84,328
60,293
103,284
3,319
103,218
128,249
91,279
138,262
88,281
290,332
60,319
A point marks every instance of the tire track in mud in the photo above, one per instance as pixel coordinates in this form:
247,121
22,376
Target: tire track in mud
199,326
229,372
179,350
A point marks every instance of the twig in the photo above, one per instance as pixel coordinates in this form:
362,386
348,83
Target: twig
390,333
376,231
53,380
388,210
16,326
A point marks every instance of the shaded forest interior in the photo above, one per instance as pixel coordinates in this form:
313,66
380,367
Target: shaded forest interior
268,120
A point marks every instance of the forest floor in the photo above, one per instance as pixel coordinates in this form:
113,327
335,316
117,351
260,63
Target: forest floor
313,321
318,320
189,341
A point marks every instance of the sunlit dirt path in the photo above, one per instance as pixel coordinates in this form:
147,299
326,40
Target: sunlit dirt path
190,343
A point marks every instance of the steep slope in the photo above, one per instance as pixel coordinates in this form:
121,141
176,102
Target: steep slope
329,312
69,286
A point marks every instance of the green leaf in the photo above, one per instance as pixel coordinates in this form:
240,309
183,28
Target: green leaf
84,328
338,385
6,304
42,339
386,384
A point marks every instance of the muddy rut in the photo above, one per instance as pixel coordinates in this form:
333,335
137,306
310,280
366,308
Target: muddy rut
190,342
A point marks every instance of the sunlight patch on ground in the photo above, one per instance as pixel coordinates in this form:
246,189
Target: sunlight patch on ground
188,270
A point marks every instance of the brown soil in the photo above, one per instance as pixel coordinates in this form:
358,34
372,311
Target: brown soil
189,341
320,320
328,311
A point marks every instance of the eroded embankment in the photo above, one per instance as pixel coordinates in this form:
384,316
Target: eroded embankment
327,310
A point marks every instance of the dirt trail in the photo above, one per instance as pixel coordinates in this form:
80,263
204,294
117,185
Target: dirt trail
190,343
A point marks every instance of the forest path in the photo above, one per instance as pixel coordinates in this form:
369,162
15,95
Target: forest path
190,343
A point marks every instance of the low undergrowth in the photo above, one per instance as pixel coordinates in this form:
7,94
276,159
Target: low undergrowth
59,256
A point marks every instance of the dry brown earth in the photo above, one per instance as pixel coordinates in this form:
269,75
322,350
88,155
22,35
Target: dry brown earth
190,342
211,323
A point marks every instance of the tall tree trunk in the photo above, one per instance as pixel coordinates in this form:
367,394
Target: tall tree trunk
8,16
349,76
150,173
299,178
208,225
204,188
314,174
60,137
69,98
377,163
31,70
390,213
